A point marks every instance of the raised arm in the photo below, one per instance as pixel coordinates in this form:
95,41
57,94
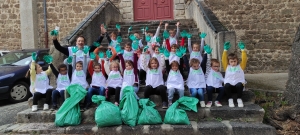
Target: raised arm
208,65
54,71
48,71
190,45
177,31
32,71
74,63
158,29
144,62
70,71
244,60
203,63
90,67
224,60
202,45
58,47
85,64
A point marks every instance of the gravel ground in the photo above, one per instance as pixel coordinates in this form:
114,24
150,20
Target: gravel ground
9,111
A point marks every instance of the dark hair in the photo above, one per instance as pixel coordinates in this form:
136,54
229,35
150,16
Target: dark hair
214,61
153,59
113,33
129,62
128,44
79,62
232,56
194,61
174,63
175,46
61,66
155,47
80,36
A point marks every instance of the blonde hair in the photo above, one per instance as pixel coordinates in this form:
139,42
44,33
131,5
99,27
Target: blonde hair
114,63
214,61
28,72
153,59
194,61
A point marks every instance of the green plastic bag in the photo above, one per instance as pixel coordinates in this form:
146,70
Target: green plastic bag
107,114
176,115
69,113
148,114
129,106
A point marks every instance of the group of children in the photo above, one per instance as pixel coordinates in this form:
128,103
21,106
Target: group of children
112,70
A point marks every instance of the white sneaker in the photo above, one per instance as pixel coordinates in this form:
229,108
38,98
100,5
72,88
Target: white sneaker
209,104
230,102
34,108
202,103
46,107
218,104
240,102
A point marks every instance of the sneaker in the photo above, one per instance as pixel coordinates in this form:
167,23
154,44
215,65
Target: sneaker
240,102
164,106
230,102
209,104
34,108
202,103
218,104
46,107
116,103
53,108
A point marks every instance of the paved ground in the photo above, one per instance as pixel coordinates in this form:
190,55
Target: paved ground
8,113
267,81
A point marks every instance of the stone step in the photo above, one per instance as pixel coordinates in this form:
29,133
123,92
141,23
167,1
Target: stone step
195,128
156,22
125,40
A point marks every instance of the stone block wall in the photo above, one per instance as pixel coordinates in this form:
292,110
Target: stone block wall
10,33
267,27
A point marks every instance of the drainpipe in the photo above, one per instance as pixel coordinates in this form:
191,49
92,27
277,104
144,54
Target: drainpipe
45,23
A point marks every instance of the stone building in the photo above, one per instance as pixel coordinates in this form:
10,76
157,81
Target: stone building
267,27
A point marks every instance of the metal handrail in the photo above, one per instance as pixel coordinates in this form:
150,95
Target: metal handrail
91,16
206,17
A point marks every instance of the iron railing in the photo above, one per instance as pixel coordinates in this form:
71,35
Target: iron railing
206,16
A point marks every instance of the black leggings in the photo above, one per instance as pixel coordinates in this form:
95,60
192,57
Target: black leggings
37,96
142,75
159,90
238,88
114,91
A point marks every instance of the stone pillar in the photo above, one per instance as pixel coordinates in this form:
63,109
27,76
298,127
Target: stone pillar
223,37
29,24
179,9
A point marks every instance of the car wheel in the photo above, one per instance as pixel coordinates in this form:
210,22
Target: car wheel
19,92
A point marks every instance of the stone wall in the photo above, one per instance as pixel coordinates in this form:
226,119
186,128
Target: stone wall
10,33
267,27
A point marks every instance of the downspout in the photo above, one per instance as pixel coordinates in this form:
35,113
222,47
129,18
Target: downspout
45,23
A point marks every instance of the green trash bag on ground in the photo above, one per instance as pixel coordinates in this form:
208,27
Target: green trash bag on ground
129,106
148,115
176,115
69,112
107,114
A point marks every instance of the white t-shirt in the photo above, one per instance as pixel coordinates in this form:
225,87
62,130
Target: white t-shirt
98,79
63,81
234,75
41,83
128,78
196,79
114,79
128,55
154,77
175,80
79,77
214,79
196,55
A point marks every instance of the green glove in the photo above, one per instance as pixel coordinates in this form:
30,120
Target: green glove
202,35
135,45
182,50
178,53
132,37
166,34
183,34
145,48
118,48
33,55
118,26
97,44
227,45
188,35
70,59
104,26
207,49
86,49
92,55
119,39
48,58
108,54
74,49
146,28
161,49
142,29
54,33
166,53
130,29
101,55
241,45
158,39
148,38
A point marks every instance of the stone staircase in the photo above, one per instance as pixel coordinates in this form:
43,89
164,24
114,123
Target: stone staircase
207,121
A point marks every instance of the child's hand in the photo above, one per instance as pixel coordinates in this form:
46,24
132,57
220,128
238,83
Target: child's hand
132,37
207,49
145,49
92,55
101,55
182,50
97,44
166,34
188,35
178,53
48,59
158,39
108,54
74,49
183,34
177,24
166,25
118,49
148,38
54,33
33,56
227,46
103,29
241,45
86,49
202,35
135,45
160,23
118,27
161,49
119,39
166,53
69,59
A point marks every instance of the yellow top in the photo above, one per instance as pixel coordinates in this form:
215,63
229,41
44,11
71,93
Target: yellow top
242,64
33,72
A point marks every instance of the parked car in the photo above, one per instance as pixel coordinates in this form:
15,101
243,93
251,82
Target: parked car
3,53
13,68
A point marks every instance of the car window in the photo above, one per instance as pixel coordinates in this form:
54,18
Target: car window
41,56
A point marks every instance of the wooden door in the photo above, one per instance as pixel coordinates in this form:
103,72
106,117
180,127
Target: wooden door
145,10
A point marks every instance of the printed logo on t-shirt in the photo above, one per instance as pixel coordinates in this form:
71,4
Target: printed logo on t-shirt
234,69
98,74
197,71
128,72
63,79
128,54
42,78
114,76
195,54
153,71
173,73
79,74
216,75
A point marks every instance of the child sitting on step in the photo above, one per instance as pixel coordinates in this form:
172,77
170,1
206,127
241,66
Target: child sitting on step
234,76
114,82
154,81
39,86
63,76
196,81
214,78
174,82
129,78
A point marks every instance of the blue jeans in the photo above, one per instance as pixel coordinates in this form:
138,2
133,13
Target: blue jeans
93,91
210,90
197,91
136,89
172,91
56,94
